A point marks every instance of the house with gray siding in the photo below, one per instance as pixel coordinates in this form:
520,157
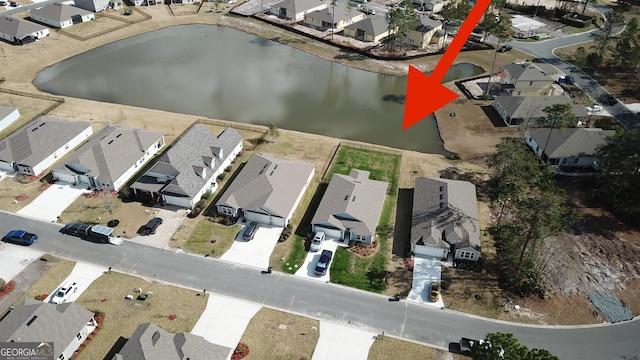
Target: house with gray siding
109,158
296,9
444,219
336,17
350,208
21,32
528,110
190,167
267,190
574,147
370,29
151,342
33,148
8,115
64,326
527,79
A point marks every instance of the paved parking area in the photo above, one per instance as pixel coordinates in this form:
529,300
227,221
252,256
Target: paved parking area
83,274
342,342
254,253
306,270
524,23
52,202
14,258
424,272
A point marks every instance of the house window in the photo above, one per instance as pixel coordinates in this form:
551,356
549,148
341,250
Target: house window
441,196
530,83
61,357
360,238
564,161
79,336
226,210
467,255
441,205
575,161
537,147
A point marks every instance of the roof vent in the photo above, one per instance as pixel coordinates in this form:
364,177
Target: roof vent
117,136
155,337
110,141
353,198
346,197
271,173
32,320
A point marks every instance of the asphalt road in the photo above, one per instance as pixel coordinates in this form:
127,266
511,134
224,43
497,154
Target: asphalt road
440,328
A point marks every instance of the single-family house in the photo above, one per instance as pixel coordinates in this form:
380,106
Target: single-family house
574,147
444,219
296,9
64,326
434,6
351,207
151,342
21,32
8,114
97,5
60,15
528,110
425,32
336,17
526,79
33,148
146,2
267,190
109,158
370,29
190,167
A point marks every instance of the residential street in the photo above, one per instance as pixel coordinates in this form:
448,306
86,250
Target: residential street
368,311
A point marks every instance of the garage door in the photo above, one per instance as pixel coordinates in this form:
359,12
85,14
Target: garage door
437,253
263,219
64,176
330,233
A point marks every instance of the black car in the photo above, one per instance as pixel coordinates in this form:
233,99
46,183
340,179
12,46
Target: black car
323,264
607,100
250,231
151,226
76,229
505,48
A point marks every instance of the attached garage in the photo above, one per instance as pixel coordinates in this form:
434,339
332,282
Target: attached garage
427,251
264,218
330,233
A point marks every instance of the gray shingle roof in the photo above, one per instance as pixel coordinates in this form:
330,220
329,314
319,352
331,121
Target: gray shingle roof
299,6
37,140
444,206
426,24
18,28
6,110
341,13
571,142
269,184
192,154
371,25
151,342
527,72
36,321
112,151
353,202
59,12
530,107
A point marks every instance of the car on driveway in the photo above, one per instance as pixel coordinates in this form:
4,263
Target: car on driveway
323,263
76,229
20,237
316,243
434,291
505,48
151,226
64,292
595,108
250,231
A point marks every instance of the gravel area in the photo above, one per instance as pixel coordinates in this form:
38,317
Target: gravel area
610,306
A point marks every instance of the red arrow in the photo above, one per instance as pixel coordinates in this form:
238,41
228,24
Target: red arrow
425,94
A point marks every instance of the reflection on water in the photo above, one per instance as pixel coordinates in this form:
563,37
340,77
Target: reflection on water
223,73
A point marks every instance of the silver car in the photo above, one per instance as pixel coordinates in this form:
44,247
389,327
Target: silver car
316,243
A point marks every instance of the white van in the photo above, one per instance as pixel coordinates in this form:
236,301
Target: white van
316,243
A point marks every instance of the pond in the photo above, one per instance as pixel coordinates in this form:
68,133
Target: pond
222,73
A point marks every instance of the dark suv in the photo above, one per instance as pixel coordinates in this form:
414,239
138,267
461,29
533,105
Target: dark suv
76,229
151,226
323,263
250,231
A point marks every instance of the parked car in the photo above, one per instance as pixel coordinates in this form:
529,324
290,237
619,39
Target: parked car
76,229
434,291
607,100
64,292
151,226
505,48
316,243
3,3
323,263
595,108
250,231
14,3
20,237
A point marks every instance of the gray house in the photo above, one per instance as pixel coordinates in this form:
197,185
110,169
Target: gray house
33,148
267,190
336,17
151,342
296,9
444,219
21,32
371,29
64,326
98,5
527,110
110,158
61,16
351,207
567,147
527,80
190,167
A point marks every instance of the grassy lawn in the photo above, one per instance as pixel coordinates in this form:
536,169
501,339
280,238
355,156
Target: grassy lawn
200,240
297,254
267,340
107,294
49,282
382,166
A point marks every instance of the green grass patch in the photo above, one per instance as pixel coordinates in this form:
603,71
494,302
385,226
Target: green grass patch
296,256
200,240
381,166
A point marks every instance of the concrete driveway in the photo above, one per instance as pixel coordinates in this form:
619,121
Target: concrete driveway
171,220
424,272
83,274
14,258
307,268
342,342
254,253
52,202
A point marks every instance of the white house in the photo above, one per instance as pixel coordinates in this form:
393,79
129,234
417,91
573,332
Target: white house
336,17
528,110
110,158
350,208
7,116
21,32
574,147
267,190
296,9
98,5
190,167
371,29
61,16
32,149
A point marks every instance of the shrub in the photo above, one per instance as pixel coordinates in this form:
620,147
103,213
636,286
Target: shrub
206,195
221,177
2,282
286,233
228,168
200,204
